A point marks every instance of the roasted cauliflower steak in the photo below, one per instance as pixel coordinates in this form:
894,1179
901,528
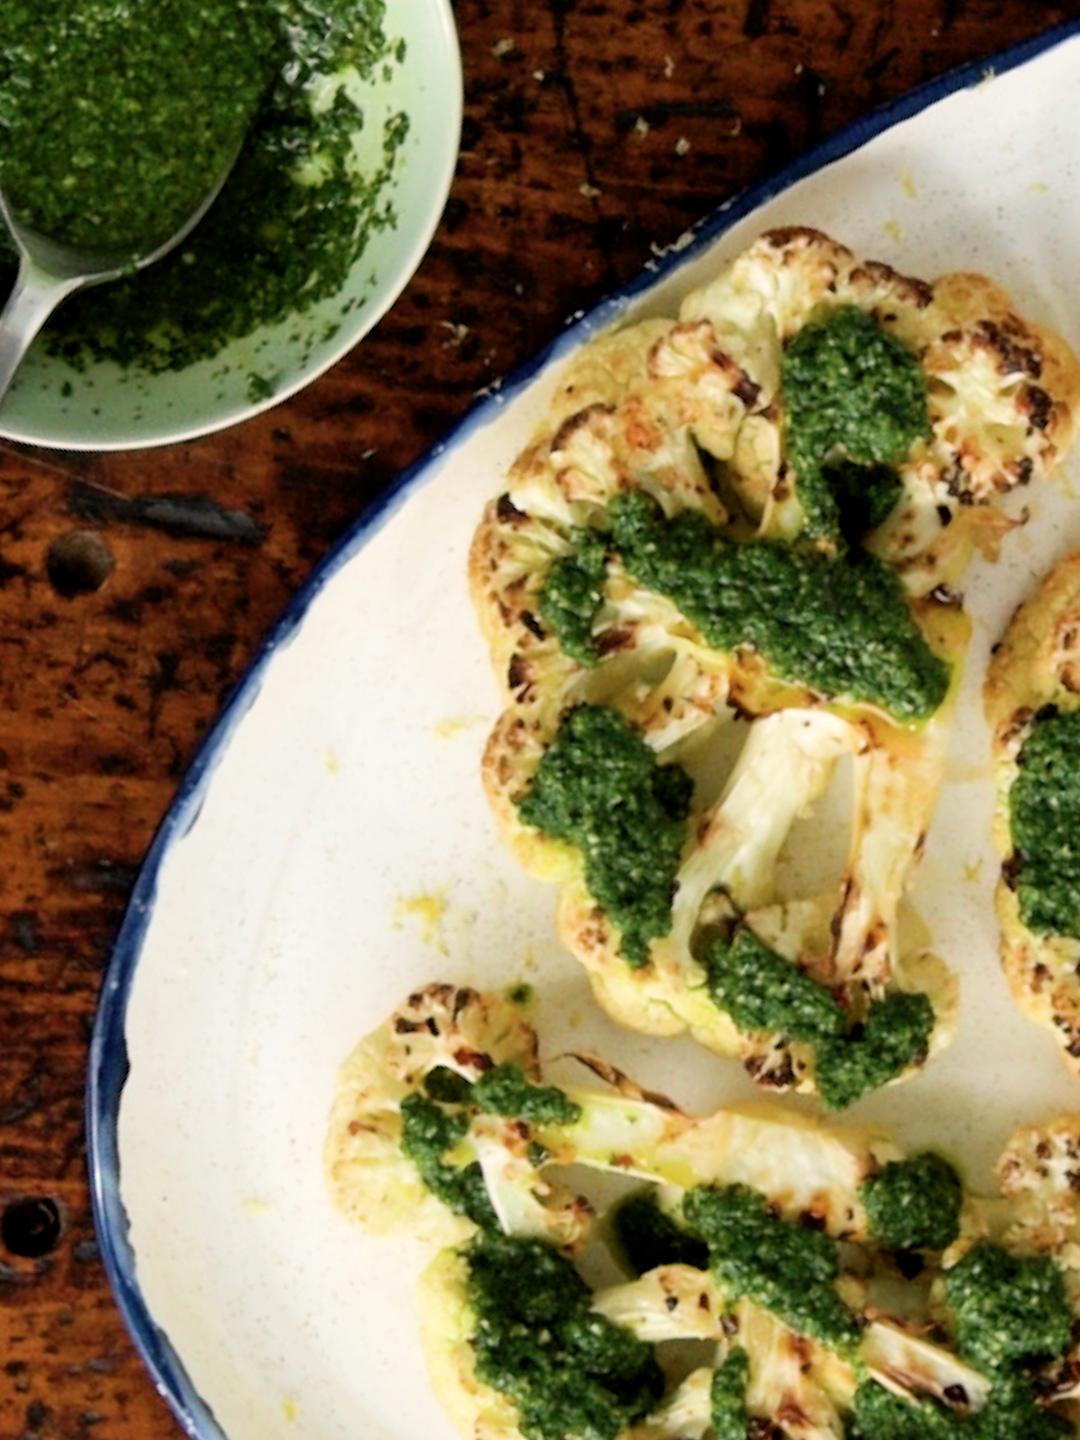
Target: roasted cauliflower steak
668,550
832,1286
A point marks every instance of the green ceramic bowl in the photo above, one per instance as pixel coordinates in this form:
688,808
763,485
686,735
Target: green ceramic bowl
106,408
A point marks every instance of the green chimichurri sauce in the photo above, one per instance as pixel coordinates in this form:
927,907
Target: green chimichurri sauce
433,1123
762,991
601,788
895,1034
649,1236
114,113
573,594
843,628
1008,1311
852,393
1044,808
428,1132
788,1269
914,1204
572,1374
727,1396
505,1090
865,495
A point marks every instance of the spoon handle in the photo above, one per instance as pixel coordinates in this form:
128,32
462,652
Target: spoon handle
31,302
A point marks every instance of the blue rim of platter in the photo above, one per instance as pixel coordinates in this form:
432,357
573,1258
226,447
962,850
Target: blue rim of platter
107,1068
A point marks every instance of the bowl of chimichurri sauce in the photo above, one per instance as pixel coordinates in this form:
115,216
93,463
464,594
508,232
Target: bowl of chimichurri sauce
114,116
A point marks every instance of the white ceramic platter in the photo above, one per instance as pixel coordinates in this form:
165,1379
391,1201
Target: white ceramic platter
331,847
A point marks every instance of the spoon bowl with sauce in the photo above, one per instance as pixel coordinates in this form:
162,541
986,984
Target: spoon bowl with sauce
117,115
50,271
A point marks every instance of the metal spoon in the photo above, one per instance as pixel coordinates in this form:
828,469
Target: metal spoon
50,272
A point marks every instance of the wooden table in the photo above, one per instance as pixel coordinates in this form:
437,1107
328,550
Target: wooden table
594,129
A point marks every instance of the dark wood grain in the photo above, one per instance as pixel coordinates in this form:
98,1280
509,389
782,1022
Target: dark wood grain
104,694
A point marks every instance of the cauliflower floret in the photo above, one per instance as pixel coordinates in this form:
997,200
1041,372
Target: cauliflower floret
444,1035
1032,697
1002,393
458,1032
807,1169
910,1366
847,937
784,1371
791,1382
672,1302
1039,1174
